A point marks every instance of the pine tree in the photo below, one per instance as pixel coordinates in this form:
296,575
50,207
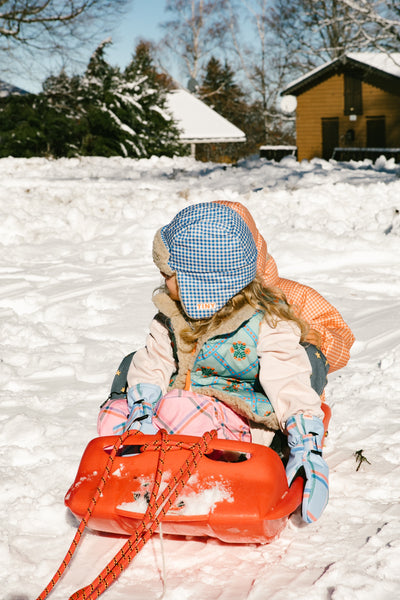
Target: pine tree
63,115
145,100
98,84
21,127
220,91
104,112
64,94
126,112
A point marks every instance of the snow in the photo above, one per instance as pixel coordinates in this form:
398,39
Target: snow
208,495
272,147
387,62
76,281
198,122
6,89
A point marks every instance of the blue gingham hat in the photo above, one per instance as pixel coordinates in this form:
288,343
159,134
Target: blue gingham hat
212,252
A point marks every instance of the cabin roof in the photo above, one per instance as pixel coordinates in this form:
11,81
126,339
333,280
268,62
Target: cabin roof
376,68
6,89
198,122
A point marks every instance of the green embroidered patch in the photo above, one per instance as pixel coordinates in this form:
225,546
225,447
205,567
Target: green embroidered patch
232,386
240,350
207,371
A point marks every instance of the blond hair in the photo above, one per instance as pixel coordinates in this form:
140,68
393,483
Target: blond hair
270,300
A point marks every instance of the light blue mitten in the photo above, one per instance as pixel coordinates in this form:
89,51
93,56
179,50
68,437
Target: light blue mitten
142,399
305,435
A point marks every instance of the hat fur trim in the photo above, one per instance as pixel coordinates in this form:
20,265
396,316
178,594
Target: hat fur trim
161,255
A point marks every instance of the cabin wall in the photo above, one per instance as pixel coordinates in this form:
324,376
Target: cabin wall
322,101
378,102
326,101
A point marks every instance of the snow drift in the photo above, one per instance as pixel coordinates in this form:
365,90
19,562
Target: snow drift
76,281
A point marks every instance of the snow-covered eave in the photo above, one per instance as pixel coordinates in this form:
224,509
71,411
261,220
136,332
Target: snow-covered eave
277,147
371,74
219,140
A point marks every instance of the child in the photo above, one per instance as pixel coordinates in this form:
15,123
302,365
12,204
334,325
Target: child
224,350
328,331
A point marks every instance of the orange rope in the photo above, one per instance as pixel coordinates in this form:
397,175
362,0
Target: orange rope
67,559
158,507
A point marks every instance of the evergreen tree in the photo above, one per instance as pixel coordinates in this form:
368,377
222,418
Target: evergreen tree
64,94
104,112
98,84
64,118
126,112
21,127
220,91
144,98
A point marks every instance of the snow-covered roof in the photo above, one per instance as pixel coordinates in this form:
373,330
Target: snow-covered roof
6,89
387,64
200,123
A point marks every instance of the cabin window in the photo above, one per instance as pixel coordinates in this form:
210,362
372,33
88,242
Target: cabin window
352,96
330,136
376,132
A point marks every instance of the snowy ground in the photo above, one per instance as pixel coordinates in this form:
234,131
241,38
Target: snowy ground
76,279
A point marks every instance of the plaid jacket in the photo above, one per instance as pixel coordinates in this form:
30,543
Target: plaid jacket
230,363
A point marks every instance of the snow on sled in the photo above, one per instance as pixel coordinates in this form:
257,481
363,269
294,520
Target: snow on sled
236,492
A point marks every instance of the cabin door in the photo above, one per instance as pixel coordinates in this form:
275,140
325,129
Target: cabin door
330,136
376,132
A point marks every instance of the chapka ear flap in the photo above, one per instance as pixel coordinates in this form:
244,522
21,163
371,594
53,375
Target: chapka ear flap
161,255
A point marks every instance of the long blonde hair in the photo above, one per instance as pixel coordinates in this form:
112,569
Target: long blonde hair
271,300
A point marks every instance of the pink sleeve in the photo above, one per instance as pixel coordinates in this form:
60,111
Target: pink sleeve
155,362
285,372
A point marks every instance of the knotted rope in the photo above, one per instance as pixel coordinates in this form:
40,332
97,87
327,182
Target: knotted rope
159,504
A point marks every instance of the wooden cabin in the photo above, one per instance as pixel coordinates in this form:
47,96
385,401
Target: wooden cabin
349,108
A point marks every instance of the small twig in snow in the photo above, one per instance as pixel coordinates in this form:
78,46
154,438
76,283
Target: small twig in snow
360,458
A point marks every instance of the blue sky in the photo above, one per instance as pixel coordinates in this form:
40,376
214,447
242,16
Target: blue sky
141,21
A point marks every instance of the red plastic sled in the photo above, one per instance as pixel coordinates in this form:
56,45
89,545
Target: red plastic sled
238,494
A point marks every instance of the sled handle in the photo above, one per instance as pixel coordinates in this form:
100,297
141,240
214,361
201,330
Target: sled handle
290,500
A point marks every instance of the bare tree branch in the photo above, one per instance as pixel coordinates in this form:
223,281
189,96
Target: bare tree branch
40,32
195,30
384,15
53,24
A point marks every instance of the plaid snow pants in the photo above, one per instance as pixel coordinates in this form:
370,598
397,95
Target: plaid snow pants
182,412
